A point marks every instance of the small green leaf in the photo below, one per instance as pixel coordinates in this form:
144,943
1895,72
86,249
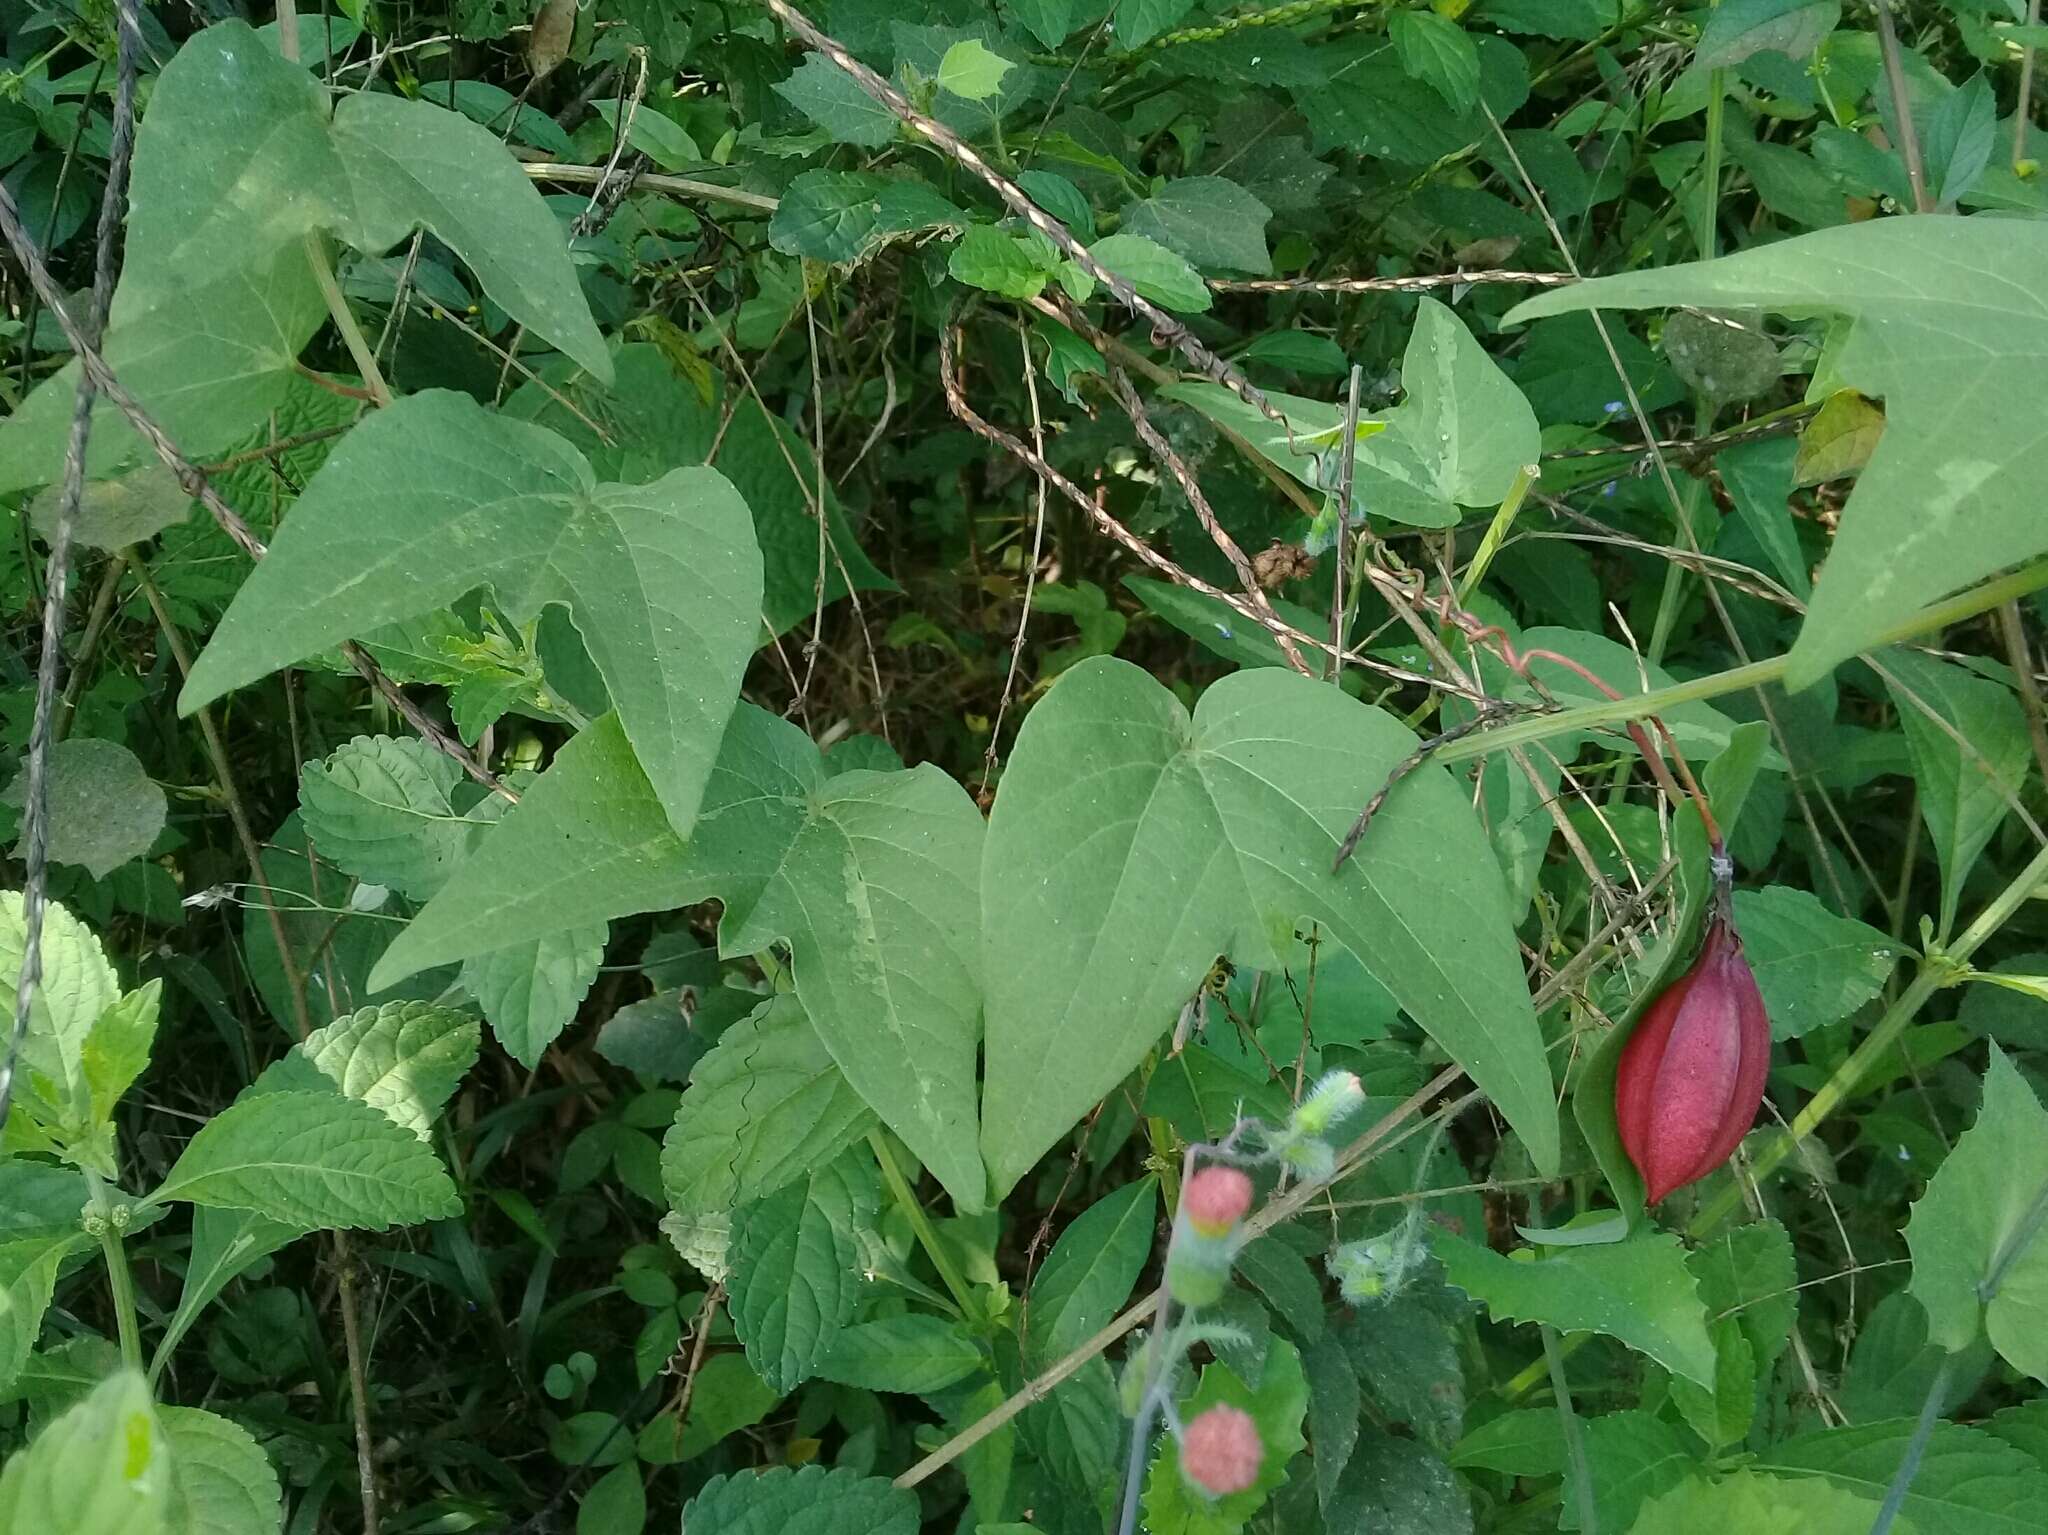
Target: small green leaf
1639,1291
1525,1441
796,1262
912,1353
383,808
1736,29
1216,224
1813,967
845,216
764,1107
826,94
812,1501
530,991
1633,1455
314,1160
78,987
1091,1271
998,262
1156,272
1980,1214
1838,441
112,514
971,72
1173,1506
403,1058
1438,50
1757,1504
104,809
1968,1483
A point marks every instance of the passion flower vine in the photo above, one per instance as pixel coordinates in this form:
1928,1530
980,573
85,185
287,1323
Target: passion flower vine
1691,1077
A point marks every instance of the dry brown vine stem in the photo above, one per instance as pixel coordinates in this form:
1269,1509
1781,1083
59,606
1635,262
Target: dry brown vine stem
956,400
193,481
1166,329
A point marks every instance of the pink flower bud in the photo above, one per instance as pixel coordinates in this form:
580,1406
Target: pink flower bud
1220,1451
1692,1074
1216,1199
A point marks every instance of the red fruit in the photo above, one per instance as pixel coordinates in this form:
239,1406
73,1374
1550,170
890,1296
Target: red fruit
1220,1451
1216,1199
1692,1074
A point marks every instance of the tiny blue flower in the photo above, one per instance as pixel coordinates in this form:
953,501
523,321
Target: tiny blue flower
1614,407
1224,630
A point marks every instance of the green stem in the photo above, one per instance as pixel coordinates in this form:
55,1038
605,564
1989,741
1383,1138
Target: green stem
1574,1437
921,1223
1902,1480
1710,170
1496,533
1542,727
345,320
117,1271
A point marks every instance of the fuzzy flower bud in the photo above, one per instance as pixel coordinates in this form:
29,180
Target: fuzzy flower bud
1205,1237
1692,1074
1220,1451
1338,1093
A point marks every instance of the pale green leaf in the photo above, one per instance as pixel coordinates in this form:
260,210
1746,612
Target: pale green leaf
28,1279
103,1468
1139,21
1971,758
435,496
970,71
812,1501
1639,1291
764,1107
999,262
1757,1504
1813,967
868,876
1130,845
1736,29
1980,1213
117,1047
225,1484
112,514
1524,1441
729,1397
1969,1482
403,1058
1156,272
1948,324
530,991
314,1160
1216,224
796,1267
1091,1271
104,809
1721,1415
78,986
913,1353
383,808
845,216
225,1244
1746,1272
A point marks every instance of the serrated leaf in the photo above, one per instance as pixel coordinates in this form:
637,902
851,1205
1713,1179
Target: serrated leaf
1746,1272
1969,1482
1967,785
103,1468
314,1160
1736,29
1130,845
1436,49
1639,1291
1216,224
241,158
812,1501
1090,1271
999,262
1948,324
404,1059
117,1047
222,1476
434,496
1757,1504
1393,1483
826,94
796,1267
1156,272
1721,1415
1979,1212
530,991
1634,1455
1405,1351
78,986
762,1108
913,1353
845,216
383,808
28,1278
1290,1287
1813,967
103,807
868,876
1173,1506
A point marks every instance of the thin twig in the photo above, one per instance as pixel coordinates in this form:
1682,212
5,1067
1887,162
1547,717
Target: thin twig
1902,112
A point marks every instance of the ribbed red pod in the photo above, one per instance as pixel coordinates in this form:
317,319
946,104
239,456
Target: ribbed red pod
1692,1075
